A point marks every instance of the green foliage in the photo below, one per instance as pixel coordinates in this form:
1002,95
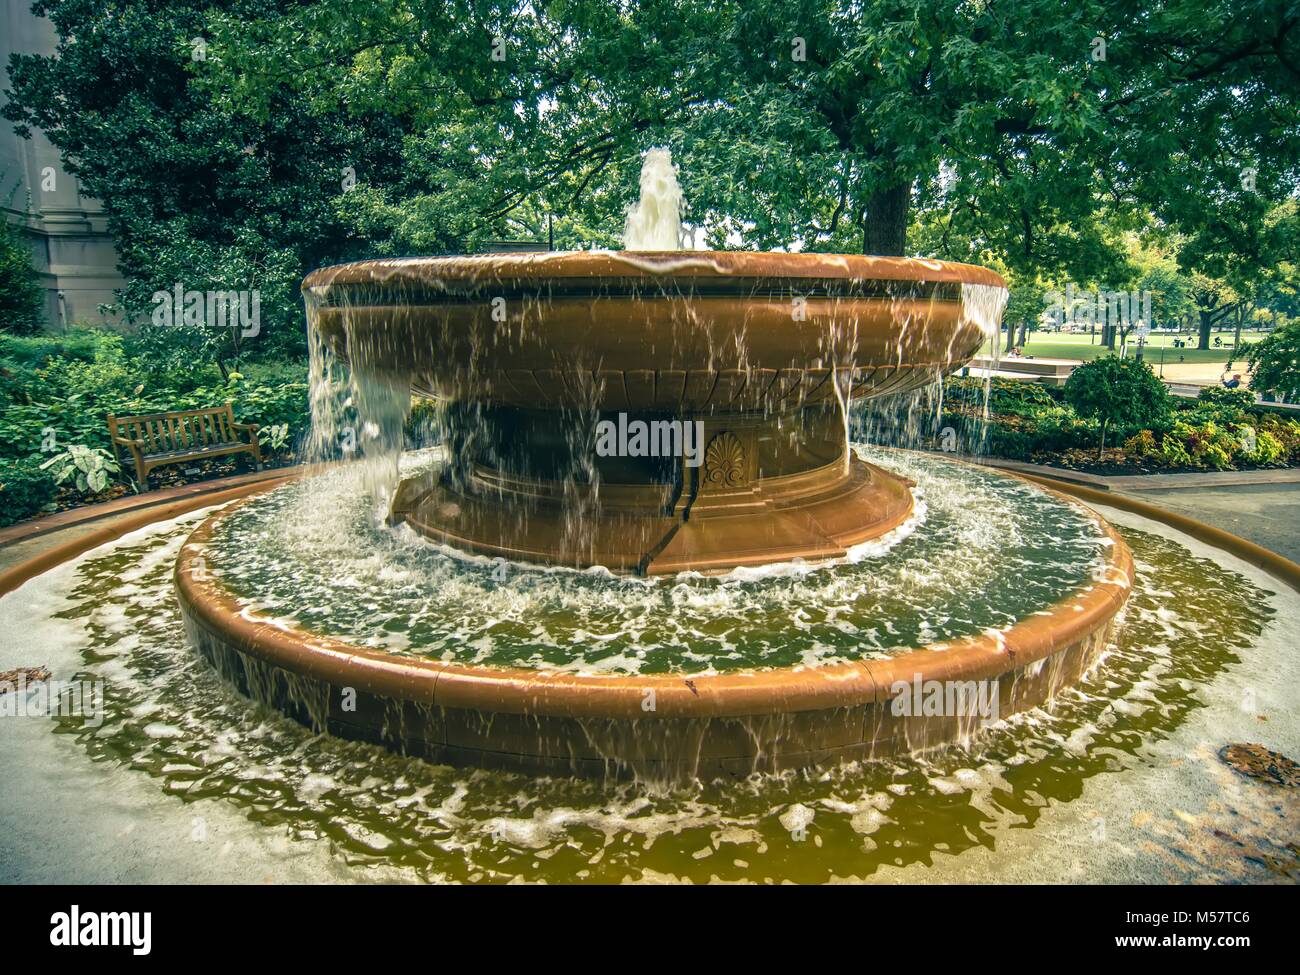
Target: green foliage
20,292
195,191
1004,395
1268,449
1207,444
51,397
1285,431
90,469
948,123
274,437
1275,362
32,351
1223,404
1113,391
1027,418
1028,423
25,489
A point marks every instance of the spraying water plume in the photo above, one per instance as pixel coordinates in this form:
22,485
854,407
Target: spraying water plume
655,223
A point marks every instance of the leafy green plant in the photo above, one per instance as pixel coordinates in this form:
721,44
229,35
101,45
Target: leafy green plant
21,296
1174,453
1285,431
91,469
60,389
1224,405
274,436
1268,449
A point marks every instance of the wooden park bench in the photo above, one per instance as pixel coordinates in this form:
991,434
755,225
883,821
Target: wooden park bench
157,439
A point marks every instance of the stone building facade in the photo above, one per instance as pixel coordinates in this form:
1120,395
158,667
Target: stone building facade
66,230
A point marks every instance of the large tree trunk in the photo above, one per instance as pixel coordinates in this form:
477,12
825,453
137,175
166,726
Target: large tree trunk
1207,326
884,231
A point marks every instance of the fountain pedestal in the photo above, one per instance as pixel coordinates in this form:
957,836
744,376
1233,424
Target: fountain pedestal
767,489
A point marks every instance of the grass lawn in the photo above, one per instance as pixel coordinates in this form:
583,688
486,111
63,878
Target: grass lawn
1056,345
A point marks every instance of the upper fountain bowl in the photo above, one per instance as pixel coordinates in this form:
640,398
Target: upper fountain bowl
680,331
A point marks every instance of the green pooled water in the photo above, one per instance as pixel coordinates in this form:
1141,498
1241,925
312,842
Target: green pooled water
984,551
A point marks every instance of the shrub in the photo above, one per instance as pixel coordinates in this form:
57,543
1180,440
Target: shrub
90,469
53,394
1216,456
1011,444
1143,445
1285,431
35,351
1223,405
1114,391
21,297
1268,449
1173,453
1004,395
25,490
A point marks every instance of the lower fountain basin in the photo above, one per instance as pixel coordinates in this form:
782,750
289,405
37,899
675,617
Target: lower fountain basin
1135,742
695,722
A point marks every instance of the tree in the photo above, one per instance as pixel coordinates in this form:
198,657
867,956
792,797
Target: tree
814,124
1215,302
1024,139
1112,390
1157,278
1274,362
1025,306
195,192
20,292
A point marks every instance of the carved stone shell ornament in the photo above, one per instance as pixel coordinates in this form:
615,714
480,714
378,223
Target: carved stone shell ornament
724,461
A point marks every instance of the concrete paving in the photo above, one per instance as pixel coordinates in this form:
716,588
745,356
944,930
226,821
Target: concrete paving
1266,514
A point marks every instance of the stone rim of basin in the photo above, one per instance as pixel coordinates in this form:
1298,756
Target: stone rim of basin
471,714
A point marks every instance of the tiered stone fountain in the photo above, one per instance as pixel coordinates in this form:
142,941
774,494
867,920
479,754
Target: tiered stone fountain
529,354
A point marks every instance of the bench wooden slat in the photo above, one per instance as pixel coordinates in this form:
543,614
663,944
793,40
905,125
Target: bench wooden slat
155,439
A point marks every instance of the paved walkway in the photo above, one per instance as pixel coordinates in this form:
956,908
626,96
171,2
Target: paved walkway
1266,514
1261,506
